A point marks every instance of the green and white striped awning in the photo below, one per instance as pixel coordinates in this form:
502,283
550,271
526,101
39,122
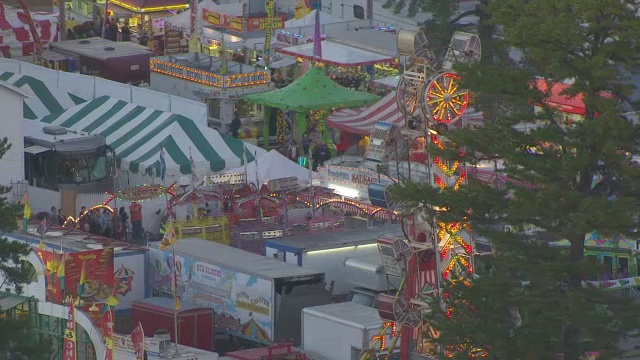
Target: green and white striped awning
137,133
46,101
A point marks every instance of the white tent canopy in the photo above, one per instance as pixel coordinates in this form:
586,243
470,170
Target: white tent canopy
274,165
310,19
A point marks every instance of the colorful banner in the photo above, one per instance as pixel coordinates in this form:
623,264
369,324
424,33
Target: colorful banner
84,275
222,20
269,6
261,23
69,343
243,304
107,332
616,283
137,338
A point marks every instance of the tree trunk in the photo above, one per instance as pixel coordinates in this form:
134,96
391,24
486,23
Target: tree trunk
572,331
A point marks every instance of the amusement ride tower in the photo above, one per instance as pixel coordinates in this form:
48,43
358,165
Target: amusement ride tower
434,250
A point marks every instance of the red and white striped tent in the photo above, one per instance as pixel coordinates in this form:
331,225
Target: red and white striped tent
15,36
361,120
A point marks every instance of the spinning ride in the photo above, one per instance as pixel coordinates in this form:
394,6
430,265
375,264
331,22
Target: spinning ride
433,250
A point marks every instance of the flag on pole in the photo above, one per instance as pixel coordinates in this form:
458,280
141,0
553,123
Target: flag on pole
69,351
169,237
27,211
163,165
83,278
107,332
61,273
137,339
317,39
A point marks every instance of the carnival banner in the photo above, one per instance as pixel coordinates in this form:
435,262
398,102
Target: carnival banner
107,332
69,343
85,275
137,338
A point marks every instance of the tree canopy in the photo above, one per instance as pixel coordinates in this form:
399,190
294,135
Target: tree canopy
18,338
566,176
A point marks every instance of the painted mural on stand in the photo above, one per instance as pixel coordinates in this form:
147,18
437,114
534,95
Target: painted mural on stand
243,304
84,275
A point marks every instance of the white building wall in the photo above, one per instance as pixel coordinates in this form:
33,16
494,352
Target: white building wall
12,163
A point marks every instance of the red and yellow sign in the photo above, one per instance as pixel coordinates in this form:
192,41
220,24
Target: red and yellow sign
261,23
223,20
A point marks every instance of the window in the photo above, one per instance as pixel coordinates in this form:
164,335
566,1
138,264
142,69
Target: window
358,12
213,108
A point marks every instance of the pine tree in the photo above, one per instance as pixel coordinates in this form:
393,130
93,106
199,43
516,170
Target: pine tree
567,180
18,338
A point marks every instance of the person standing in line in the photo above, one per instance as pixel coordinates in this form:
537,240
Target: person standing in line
292,153
124,217
135,210
306,144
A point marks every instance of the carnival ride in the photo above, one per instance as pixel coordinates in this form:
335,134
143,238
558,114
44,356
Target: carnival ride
434,250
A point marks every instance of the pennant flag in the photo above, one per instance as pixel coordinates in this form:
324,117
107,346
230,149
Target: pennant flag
163,165
317,40
69,351
61,273
83,278
169,237
137,338
27,208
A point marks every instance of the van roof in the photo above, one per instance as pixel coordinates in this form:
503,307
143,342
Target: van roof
243,261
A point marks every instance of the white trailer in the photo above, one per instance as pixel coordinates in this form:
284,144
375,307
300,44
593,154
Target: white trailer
342,331
327,251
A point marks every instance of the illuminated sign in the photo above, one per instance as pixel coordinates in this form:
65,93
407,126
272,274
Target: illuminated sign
208,78
262,23
249,79
356,177
183,72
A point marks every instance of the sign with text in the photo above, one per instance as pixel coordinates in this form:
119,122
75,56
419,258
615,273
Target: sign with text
261,23
223,20
351,177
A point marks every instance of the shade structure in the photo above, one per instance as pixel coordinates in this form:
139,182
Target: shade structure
45,101
337,53
137,134
313,91
15,36
274,165
361,120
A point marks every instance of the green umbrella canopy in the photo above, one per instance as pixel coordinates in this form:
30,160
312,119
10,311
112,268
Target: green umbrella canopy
313,91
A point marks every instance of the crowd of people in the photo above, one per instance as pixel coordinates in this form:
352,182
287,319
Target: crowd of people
103,221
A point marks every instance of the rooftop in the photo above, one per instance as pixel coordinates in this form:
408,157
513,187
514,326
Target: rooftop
332,240
233,258
100,49
72,241
341,53
206,63
348,313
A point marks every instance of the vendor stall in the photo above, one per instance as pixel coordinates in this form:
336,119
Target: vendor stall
145,15
272,166
308,98
361,120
